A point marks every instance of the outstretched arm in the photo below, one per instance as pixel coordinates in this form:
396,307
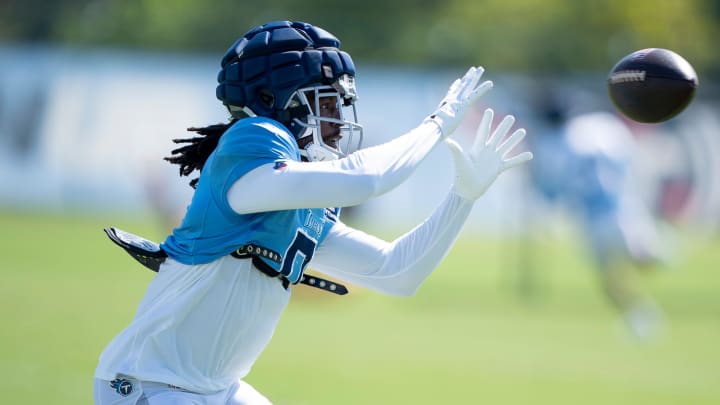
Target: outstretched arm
362,175
399,267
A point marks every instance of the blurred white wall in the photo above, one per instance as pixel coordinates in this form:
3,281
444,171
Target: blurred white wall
88,130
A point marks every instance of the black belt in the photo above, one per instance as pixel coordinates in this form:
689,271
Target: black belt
150,255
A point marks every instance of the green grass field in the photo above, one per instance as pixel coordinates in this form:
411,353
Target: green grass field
469,336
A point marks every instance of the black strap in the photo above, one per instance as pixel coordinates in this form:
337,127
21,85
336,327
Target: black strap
258,263
150,255
323,284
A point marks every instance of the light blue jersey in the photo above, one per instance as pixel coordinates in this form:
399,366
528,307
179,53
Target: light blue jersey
211,229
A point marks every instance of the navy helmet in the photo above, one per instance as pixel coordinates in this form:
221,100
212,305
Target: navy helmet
281,70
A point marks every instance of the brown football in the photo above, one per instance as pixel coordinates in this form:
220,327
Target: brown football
652,85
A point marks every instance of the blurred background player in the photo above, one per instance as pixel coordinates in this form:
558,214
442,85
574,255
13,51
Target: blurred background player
583,163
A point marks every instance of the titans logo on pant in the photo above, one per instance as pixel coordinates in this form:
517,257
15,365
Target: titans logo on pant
122,386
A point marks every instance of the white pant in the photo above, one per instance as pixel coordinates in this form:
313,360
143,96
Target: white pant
200,327
128,391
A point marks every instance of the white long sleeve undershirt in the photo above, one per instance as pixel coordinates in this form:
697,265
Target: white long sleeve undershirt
352,180
398,267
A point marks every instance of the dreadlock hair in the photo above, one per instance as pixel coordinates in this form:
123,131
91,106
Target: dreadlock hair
192,156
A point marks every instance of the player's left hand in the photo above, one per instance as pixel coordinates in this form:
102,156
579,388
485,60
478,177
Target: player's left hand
463,93
477,167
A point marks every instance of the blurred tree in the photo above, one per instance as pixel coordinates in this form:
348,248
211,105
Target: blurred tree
34,20
543,36
557,36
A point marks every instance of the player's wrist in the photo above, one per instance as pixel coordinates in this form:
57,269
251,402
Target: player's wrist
463,195
435,125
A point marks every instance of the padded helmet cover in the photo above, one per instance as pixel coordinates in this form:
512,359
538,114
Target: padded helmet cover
263,68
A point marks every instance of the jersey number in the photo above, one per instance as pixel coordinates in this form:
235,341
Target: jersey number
297,256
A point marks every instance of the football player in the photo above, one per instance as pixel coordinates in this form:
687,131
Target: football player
619,231
267,205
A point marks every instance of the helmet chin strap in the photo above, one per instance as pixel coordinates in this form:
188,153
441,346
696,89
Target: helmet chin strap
315,150
317,153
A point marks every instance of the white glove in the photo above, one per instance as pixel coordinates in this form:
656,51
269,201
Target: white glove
478,167
462,94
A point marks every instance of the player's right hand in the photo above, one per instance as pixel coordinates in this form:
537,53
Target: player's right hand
477,167
461,95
